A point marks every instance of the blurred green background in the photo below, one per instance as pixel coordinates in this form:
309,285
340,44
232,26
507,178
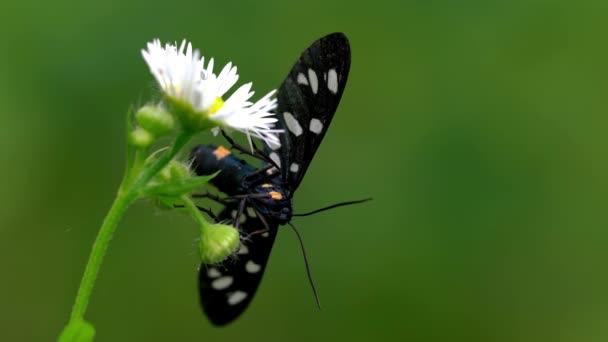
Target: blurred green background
479,127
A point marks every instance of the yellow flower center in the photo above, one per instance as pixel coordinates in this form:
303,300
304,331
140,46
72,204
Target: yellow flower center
217,105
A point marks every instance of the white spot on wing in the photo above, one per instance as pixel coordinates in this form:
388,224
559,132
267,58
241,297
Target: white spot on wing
233,213
302,79
275,158
252,267
332,81
251,212
222,283
316,126
243,250
236,297
314,82
265,234
292,124
294,167
213,272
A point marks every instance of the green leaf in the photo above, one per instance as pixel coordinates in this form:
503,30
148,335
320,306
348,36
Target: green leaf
178,187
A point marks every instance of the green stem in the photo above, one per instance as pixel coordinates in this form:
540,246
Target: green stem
137,163
100,246
196,214
128,193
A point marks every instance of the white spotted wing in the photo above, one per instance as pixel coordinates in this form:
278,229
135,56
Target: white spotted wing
307,101
227,288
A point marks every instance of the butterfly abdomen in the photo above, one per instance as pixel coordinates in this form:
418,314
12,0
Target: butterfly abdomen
208,159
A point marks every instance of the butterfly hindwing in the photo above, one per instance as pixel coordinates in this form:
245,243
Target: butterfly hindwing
227,289
307,101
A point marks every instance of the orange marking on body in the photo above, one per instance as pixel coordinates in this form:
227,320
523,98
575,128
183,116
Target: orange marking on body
266,185
221,152
275,195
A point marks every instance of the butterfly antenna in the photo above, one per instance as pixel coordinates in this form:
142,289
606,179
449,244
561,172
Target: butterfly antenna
312,283
333,206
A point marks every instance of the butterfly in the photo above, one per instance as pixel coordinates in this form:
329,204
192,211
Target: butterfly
259,200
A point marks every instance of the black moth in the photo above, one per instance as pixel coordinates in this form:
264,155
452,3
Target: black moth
261,199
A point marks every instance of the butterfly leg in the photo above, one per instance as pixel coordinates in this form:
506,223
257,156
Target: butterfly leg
264,222
256,153
212,197
228,199
262,176
205,210
239,213
259,232
208,212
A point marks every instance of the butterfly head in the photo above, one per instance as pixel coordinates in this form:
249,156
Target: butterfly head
274,202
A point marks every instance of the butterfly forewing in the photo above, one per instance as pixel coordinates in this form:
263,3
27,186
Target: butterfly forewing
307,101
227,288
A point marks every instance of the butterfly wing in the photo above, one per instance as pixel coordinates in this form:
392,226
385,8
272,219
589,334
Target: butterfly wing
307,101
226,289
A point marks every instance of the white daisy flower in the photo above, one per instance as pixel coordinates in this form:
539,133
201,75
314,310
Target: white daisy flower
176,73
197,93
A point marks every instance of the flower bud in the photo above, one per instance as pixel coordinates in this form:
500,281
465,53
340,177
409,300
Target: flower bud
155,120
174,171
141,138
77,330
179,170
217,243
169,183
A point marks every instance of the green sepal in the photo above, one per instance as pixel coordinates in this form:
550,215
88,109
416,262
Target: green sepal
77,330
177,187
190,119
